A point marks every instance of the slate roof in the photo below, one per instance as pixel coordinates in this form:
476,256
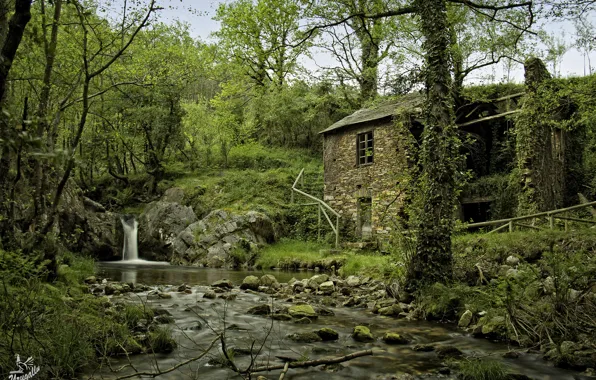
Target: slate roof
411,102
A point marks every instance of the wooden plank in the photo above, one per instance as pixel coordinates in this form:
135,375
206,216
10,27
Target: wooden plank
528,226
499,228
576,219
487,118
584,200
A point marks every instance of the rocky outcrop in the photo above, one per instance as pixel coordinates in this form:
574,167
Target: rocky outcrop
84,225
161,223
222,239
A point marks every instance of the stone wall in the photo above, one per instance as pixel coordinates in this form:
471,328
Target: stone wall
346,181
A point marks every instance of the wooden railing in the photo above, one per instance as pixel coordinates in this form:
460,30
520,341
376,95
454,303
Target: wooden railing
550,215
321,205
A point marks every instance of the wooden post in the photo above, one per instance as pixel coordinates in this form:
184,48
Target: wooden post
319,224
511,226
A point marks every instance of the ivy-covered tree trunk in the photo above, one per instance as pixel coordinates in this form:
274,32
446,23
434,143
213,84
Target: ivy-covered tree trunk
540,174
437,184
370,68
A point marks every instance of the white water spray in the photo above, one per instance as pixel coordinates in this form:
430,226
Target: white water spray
130,250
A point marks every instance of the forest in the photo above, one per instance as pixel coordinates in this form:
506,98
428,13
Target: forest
121,127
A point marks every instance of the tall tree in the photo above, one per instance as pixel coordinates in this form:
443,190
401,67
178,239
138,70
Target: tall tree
359,44
259,35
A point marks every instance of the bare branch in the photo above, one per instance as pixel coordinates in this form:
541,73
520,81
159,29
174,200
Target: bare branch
155,374
314,363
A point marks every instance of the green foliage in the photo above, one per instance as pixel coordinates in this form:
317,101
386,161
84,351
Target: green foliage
15,265
487,93
540,300
60,324
482,369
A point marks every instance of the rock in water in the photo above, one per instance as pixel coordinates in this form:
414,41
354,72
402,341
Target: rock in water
223,283
250,282
394,338
327,334
444,352
315,281
301,311
392,310
305,337
362,334
269,280
260,310
327,287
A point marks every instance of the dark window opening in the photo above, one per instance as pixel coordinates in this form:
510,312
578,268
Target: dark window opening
476,212
365,148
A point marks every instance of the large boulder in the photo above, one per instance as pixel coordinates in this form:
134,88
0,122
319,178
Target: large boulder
160,224
222,239
84,225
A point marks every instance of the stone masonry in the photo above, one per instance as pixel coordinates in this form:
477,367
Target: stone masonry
347,182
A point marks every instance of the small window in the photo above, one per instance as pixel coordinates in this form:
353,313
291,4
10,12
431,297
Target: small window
365,148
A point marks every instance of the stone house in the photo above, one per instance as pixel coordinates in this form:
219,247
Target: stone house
365,157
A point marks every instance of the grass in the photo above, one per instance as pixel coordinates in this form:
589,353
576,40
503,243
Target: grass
482,370
295,254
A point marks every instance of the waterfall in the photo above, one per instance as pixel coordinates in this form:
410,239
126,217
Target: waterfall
130,250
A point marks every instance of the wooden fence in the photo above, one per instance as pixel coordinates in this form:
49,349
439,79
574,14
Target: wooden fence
550,215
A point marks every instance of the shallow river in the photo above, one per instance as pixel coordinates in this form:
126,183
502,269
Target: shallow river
190,309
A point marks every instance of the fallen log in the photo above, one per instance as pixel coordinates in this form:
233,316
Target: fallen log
313,363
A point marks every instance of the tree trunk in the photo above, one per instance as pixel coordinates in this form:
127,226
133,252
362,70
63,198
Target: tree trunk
16,28
432,261
370,69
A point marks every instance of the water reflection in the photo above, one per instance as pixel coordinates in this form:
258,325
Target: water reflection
160,274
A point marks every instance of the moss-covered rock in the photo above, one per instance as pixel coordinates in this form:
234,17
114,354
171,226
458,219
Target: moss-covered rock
465,319
451,352
362,334
281,317
394,338
301,311
250,282
327,334
305,337
390,311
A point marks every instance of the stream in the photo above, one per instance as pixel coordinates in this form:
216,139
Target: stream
191,310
